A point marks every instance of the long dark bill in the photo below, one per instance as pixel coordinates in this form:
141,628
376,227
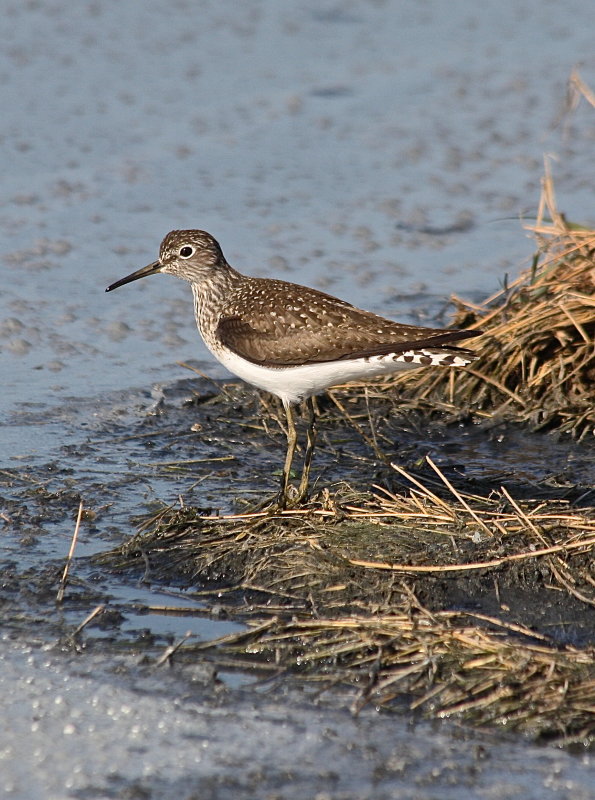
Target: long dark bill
150,269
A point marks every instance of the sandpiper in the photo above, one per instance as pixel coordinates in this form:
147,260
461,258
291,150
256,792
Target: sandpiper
291,340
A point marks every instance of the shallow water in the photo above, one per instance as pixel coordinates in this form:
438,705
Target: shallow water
97,727
382,152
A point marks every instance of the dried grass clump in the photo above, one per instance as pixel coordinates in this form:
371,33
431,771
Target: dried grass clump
353,592
537,362
450,666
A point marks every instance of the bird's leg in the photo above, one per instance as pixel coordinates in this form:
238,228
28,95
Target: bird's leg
291,444
311,441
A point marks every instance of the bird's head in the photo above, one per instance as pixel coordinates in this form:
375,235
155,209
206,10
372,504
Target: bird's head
192,255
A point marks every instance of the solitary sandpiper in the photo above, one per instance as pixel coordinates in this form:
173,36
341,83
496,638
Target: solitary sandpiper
291,340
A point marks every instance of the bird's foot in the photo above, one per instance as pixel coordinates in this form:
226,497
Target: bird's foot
281,501
287,498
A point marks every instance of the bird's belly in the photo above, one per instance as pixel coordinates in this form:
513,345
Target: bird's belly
294,384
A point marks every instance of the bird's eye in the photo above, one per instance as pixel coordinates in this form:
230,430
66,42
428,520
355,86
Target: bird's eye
186,251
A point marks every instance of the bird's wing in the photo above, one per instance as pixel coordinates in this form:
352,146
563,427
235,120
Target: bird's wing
310,336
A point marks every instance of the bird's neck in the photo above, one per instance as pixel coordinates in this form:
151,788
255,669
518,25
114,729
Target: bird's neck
212,295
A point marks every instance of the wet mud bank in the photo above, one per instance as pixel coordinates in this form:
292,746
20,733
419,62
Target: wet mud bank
453,574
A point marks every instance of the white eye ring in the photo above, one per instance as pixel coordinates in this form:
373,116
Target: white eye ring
186,251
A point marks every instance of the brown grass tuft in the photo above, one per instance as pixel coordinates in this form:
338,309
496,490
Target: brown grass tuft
537,362
357,590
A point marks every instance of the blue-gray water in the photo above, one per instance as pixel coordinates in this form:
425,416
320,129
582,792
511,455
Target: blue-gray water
382,151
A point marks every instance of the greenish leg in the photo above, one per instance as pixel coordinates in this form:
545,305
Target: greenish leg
291,445
311,441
